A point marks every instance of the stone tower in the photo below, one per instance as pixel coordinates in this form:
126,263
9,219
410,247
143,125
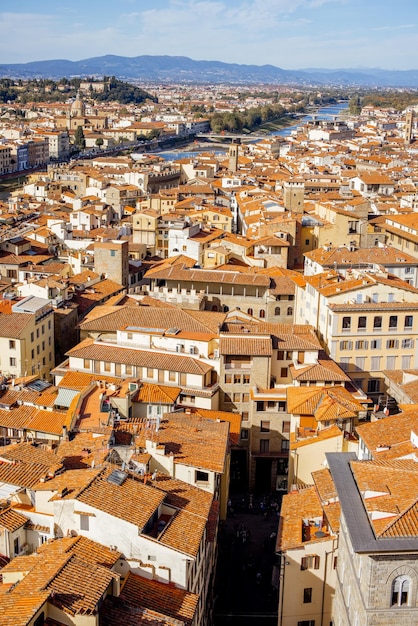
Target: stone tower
233,156
111,259
293,195
408,127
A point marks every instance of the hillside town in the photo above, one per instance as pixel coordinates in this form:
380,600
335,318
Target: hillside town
188,338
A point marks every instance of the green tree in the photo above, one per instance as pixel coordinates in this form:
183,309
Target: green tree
354,105
99,142
79,139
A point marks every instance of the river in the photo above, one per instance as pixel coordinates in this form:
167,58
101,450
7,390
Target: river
324,113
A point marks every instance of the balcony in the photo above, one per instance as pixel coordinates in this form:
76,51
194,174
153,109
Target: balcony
238,366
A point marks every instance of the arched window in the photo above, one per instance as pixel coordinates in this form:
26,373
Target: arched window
250,312
400,591
262,313
277,310
214,307
290,310
226,308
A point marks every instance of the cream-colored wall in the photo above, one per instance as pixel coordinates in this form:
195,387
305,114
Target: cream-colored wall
321,580
110,530
310,458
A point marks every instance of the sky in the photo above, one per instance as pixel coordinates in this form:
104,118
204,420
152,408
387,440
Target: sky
291,34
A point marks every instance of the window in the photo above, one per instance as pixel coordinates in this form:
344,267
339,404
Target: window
375,344
408,321
346,323
262,313
12,362
113,253
310,562
86,364
290,310
392,343
150,372
282,406
172,376
236,397
307,595
285,445
280,355
250,312
228,379
264,445
12,344
260,405
244,434
277,310
406,361
106,366
393,321
237,379
283,372
84,522
286,426
201,477
375,363
400,591
345,363
346,345
377,322
245,397
373,385
362,322
390,362
360,362
407,343
246,379
362,345
265,427
32,337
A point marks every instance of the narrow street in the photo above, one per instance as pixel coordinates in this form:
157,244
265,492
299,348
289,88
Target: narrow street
244,593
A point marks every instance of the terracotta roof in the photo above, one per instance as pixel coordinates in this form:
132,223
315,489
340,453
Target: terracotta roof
390,437
142,593
122,500
208,276
389,492
323,370
246,345
201,443
19,609
297,506
11,520
107,319
156,394
100,351
324,403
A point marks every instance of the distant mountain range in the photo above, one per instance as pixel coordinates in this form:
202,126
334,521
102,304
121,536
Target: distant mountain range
172,69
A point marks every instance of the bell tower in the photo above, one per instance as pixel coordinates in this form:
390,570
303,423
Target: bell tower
233,156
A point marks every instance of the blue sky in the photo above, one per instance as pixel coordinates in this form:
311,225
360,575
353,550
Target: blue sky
292,34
